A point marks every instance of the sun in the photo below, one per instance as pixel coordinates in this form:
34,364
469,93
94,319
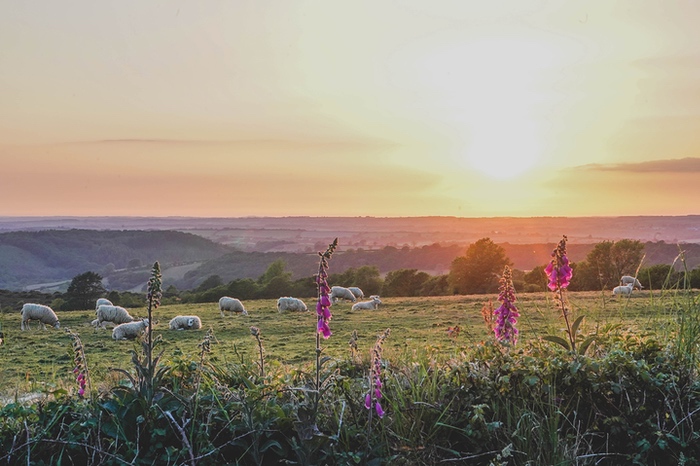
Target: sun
503,149
495,90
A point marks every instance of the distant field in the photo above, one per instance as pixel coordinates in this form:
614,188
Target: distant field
37,360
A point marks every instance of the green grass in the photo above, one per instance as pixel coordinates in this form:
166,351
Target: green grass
38,360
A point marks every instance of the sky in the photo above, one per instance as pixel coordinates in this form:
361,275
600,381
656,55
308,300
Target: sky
356,108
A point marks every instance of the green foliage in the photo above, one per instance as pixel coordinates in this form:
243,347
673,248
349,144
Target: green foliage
479,269
404,282
632,398
366,277
83,291
606,263
576,341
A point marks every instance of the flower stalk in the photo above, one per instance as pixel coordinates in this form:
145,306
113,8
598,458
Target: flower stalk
506,315
153,297
559,273
323,312
255,331
81,368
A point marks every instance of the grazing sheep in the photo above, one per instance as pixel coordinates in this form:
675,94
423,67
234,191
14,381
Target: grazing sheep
625,290
44,314
103,301
185,323
115,314
628,280
367,305
339,292
291,304
130,330
231,305
358,293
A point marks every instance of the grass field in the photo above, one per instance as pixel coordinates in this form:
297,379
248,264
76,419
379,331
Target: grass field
41,361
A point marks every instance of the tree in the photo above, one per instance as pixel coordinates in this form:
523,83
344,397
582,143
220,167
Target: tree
659,277
276,281
606,263
83,291
479,269
366,277
404,282
212,281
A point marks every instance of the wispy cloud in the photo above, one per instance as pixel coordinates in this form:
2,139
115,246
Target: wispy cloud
684,165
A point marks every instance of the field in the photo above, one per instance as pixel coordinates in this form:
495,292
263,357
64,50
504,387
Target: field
42,361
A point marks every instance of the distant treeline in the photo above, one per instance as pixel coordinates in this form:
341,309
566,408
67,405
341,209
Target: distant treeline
123,258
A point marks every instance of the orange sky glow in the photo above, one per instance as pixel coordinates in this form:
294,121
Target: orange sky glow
383,108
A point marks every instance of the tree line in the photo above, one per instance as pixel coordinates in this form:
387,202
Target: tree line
476,272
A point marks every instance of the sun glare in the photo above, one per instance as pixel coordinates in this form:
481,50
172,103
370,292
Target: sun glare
502,148
496,93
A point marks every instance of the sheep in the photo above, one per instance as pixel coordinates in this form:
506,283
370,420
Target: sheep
358,293
44,314
625,290
339,292
115,314
185,323
102,301
232,305
364,305
129,330
629,280
291,304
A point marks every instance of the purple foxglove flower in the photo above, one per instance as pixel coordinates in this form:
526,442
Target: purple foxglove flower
380,411
368,401
506,314
324,329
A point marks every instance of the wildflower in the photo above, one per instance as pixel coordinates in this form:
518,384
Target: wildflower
453,332
373,397
487,314
80,369
558,270
255,331
507,314
154,288
323,305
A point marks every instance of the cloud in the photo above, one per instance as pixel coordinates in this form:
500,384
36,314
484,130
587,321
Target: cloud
684,165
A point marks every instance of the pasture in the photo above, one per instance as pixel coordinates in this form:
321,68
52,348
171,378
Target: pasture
42,361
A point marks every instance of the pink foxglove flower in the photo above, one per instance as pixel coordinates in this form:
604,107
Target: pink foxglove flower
558,270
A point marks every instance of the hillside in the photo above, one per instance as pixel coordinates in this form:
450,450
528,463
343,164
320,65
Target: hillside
53,256
434,259
47,260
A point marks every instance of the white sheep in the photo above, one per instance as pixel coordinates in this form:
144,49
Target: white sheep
103,301
625,290
130,330
357,292
115,314
291,304
231,305
44,314
185,323
340,292
367,305
629,280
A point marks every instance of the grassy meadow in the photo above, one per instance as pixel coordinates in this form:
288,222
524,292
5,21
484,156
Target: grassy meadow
42,361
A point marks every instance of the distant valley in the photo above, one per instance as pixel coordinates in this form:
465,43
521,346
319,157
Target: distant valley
46,252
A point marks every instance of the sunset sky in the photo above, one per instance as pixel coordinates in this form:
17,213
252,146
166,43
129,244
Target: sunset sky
381,108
